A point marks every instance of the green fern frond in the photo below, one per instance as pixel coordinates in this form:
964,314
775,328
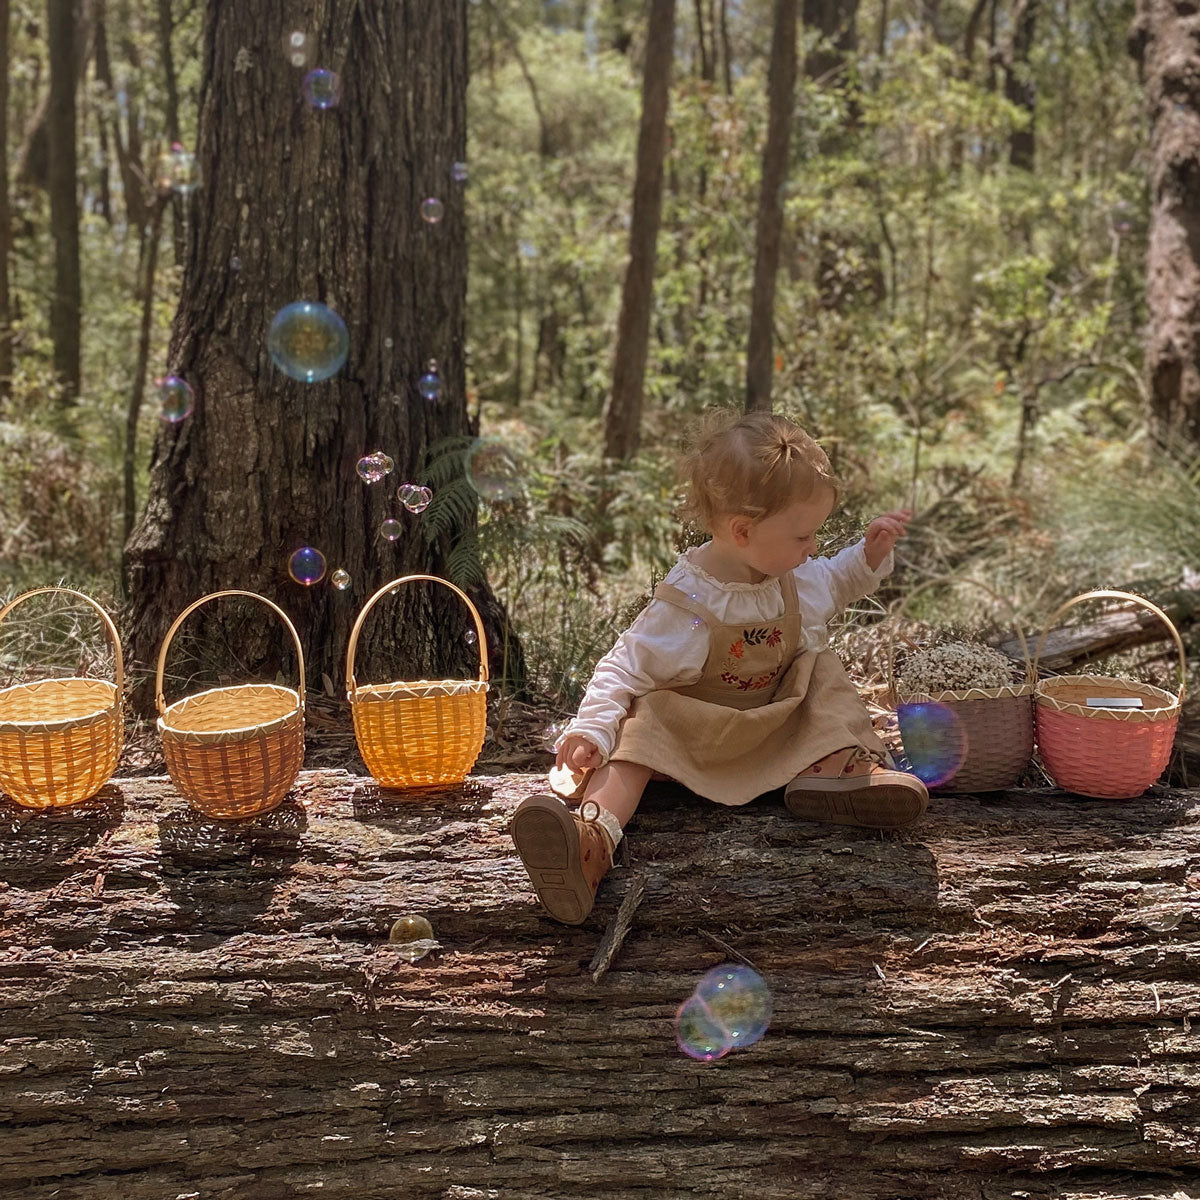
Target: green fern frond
451,511
463,564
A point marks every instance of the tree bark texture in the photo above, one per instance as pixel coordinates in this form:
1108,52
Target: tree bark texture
324,206
623,420
1019,87
781,99
1165,39
997,1002
66,303
6,346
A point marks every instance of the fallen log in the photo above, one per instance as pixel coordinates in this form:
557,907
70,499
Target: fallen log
999,1002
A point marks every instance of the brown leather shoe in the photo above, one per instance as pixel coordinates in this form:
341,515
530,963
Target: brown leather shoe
565,853
853,787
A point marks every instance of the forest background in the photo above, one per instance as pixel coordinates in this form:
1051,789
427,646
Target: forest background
962,313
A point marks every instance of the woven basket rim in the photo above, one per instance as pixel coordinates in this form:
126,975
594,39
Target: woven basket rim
1007,692
416,689
235,733
64,723
1164,712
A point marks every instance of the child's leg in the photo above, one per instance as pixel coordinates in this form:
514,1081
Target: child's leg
617,788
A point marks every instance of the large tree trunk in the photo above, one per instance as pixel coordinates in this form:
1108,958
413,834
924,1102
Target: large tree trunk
1165,39
67,301
6,346
1018,84
996,1002
318,205
623,420
781,94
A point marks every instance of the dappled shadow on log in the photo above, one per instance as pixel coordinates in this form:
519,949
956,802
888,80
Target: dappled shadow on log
37,846
223,872
374,804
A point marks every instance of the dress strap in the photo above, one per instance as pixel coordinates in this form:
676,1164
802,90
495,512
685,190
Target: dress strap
791,601
672,595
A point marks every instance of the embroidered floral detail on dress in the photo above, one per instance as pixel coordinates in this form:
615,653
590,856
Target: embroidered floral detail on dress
750,683
737,648
756,637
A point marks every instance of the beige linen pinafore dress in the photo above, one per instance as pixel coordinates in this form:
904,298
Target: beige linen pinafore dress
763,710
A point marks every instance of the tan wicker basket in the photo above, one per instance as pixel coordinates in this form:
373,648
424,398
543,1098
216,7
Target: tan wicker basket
1107,753
420,733
992,727
233,751
60,739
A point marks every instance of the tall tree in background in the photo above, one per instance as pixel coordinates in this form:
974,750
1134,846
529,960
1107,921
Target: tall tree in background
781,98
1019,87
623,420
66,302
1164,41
6,346
323,206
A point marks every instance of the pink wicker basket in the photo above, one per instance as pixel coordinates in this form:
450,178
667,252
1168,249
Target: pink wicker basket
1108,753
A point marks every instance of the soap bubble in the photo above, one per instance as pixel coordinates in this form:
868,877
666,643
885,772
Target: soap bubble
1121,217
373,467
390,530
176,397
432,210
471,637
459,172
235,264
414,497
178,170
527,248
322,89
738,998
493,470
698,1034
413,937
307,566
430,384
298,48
308,341
388,343
340,579
935,742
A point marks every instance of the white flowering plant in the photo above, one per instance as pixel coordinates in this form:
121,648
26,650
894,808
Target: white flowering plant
955,667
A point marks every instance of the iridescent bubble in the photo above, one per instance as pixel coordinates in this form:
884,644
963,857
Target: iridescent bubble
176,397
737,997
178,170
527,248
307,566
430,384
308,341
935,742
235,264
471,637
459,172
413,938
432,210
552,734
322,89
493,470
388,343
340,579
298,48
390,530
414,497
698,1034
1121,217
373,467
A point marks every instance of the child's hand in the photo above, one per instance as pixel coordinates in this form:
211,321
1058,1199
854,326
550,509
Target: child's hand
578,753
883,533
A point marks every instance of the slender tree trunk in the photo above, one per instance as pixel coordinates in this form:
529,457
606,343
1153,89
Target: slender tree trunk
1164,42
6,344
266,464
134,187
166,28
623,419
1018,84
66,302
781,96
726,50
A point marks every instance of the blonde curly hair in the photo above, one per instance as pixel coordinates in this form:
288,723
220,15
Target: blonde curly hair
754,464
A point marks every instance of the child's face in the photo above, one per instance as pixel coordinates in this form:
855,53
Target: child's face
781,542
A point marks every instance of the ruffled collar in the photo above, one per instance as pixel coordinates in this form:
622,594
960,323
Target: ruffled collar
687,560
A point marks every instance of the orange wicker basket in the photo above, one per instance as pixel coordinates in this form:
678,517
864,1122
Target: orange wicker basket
233,751
424,732
1109,753
983,737
60,738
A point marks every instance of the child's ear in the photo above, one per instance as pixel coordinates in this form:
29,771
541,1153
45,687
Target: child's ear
739,529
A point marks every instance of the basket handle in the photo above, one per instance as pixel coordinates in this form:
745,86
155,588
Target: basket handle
191,608
1106,594
352,683
900,607
110,628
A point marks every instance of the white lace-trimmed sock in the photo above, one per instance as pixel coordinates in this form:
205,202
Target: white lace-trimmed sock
605,820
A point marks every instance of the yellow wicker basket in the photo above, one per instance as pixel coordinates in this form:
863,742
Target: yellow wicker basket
60,738
233,751
424,732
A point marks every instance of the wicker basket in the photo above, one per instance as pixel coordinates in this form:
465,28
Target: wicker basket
425,732
1111,754
233,751
992,727
60,738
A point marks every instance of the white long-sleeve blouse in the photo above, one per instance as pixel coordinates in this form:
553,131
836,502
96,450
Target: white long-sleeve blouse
666,647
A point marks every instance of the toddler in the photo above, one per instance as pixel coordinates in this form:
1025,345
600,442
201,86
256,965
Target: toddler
723,681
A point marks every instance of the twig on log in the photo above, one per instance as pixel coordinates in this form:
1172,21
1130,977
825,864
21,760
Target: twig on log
716,941
618,927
